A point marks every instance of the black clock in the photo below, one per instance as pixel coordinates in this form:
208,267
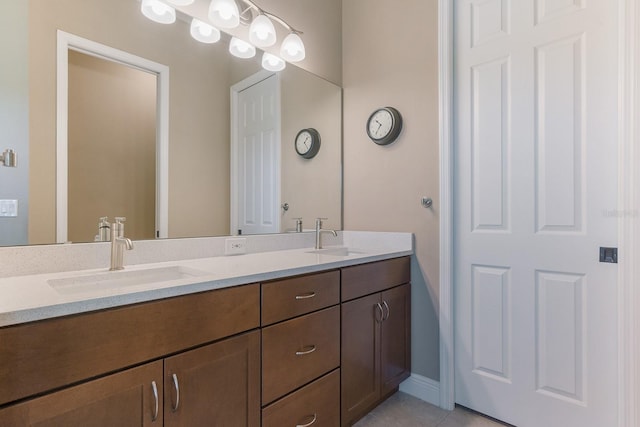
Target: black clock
384,125
307,143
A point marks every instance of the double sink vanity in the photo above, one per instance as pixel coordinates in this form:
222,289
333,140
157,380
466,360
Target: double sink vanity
283,335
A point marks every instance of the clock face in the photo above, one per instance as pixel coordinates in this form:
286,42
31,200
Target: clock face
380,124
384,125
307,143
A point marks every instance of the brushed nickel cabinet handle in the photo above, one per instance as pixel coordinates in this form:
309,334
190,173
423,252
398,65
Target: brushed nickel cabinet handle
176,386
154,388
381,318
312,348
388,311
315,417
306,296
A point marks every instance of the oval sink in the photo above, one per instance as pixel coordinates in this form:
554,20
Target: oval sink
121,279
340,251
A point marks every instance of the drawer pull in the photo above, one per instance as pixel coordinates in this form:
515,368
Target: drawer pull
381,318
176,386
388,311
312,348
154,388
315,417
306,296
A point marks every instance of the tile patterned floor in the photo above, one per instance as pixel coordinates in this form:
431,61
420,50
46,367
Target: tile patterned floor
403,410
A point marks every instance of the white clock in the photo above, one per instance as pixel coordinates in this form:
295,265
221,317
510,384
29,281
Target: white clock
307,143
384,125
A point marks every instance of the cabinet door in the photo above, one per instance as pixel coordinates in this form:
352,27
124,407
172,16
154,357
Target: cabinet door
360,356
396,337
124,399
215,385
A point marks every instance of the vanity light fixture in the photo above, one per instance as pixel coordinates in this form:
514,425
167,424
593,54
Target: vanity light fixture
241,49
270,62
230,14
158,11
9,158
262,33
204,32
224,13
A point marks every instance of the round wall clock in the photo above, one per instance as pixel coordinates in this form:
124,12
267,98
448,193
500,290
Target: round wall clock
307,143
384,125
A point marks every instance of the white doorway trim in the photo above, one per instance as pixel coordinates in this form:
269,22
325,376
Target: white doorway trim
235,91
68,41
629,214
629,233
445,95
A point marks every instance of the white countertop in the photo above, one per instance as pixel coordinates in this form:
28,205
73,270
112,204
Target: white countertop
29,298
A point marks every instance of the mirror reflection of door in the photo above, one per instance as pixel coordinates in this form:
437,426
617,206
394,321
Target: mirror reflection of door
258,157
111,147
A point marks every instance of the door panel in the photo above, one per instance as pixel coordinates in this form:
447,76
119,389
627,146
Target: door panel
535,172
396,337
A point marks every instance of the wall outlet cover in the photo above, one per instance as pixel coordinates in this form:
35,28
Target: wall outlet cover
235,246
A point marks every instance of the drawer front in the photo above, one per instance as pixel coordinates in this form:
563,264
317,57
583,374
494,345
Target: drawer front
284,299
298,351
316,404
57,352
366,279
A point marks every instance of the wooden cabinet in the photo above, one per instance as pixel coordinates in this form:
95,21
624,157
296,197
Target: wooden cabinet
216,385
130,398
375,349
301,352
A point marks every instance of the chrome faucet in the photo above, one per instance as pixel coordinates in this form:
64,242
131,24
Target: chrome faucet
319,232
118,243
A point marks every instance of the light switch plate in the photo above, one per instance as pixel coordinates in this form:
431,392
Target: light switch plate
8,208
235,246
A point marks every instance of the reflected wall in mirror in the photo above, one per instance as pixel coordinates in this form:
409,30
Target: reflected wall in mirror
199,120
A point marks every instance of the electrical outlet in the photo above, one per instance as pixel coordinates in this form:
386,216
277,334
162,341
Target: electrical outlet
235,246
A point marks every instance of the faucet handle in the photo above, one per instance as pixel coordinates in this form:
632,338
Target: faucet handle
120,219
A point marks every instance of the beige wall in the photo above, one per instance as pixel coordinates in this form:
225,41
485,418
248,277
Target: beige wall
390,58
112,147
199,113
311,187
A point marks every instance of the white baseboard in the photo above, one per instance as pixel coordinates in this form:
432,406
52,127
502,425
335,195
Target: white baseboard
423,388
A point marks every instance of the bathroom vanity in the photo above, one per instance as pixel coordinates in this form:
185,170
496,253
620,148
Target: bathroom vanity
276,348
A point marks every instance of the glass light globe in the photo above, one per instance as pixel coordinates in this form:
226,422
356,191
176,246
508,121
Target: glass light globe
262,33
241,49
224,13
158,11
292,48
181,2
271,62
204,32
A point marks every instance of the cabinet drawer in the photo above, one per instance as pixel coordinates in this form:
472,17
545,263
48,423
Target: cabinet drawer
58,352
318,402
284,299
366,279
298,351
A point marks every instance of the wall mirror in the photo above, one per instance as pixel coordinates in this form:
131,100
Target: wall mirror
202,197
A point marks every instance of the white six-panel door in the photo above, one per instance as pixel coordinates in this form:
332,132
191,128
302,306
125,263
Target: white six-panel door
535,175
258,158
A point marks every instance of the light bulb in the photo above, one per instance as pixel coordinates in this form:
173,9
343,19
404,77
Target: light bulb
292,48
181,2
262,33
241,49
204,32
224,13
271,62
158,11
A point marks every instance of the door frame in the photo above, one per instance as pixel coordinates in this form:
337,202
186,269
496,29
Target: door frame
234,92
628,213
66,42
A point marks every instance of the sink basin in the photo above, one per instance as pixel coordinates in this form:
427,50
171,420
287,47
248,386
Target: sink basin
342,251
121,279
